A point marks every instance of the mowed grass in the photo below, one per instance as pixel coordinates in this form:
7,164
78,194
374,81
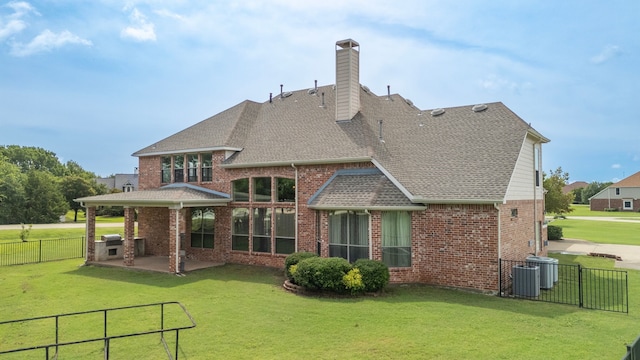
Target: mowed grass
604,232
583,210
43,234
242,312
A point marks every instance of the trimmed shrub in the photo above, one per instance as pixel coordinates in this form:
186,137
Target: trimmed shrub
325,274
294,259
554,232
375,274
353,281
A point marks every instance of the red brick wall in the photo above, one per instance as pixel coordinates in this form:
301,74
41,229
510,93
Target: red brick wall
602,204
518,232
452,245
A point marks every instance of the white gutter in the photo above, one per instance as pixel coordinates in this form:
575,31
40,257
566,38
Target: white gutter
296,224
184,151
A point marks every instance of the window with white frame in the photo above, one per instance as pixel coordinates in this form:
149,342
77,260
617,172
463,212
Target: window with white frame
207,167
192,168
627,204
396,238
349,235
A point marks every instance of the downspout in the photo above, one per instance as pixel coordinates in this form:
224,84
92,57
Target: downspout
370,234
178,238
535,199
495,205
296,223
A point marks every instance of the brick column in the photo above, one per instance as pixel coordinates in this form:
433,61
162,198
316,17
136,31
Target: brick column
174,224
91,233
129,230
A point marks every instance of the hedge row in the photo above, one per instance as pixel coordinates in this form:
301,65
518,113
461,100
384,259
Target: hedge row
336,274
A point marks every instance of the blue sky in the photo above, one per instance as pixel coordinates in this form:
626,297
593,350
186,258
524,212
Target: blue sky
95,81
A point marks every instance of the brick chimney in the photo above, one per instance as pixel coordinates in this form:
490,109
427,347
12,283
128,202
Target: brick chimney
347,79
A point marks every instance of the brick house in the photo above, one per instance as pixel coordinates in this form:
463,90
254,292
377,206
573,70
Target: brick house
621,196
438,195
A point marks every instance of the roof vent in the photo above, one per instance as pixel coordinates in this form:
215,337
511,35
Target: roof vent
286,94
479,107
436,112
312,91
366,89
409,102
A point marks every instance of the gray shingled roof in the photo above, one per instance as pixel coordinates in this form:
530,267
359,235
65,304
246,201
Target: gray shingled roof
459,156
356,189
170,195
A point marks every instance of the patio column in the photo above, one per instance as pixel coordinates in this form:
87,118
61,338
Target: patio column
90,233
129,230
174,238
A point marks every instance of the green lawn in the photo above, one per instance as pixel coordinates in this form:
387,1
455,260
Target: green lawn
99,219
42,234
604,232
242,312
583,210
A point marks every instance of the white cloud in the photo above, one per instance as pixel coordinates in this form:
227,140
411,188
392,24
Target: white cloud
47,41
609,51
140,29
496,83
616,166
13,23
169,14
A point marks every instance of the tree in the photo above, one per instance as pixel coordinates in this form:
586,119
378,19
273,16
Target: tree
577,195
33,158
12,193
555,201
44,202
593,188
74,187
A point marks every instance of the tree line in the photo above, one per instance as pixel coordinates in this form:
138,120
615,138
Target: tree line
558,202
36,187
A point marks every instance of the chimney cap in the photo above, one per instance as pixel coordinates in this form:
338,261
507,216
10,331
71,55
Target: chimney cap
347,43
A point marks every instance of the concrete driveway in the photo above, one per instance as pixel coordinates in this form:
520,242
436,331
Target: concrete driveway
630,254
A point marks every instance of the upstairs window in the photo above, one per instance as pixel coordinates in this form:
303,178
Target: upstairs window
286,189
262,189
178,168
617,191
192,163
207,166
166,169
240,189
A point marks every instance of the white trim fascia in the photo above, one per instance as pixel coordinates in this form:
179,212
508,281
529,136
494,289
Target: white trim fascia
374,208
186,151
297,162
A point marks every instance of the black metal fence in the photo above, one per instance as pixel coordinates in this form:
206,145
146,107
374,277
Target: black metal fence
599,289
633,350
29,252
168,317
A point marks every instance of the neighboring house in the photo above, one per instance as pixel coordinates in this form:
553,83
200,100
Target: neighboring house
122,182
621,196
438,195
574,185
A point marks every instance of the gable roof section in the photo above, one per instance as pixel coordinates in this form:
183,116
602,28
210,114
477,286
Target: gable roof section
178,194
630,181
224,131
460,156
360,189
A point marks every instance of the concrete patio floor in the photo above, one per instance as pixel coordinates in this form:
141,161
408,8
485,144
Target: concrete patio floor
155,263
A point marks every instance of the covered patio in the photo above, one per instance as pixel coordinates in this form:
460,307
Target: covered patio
175,198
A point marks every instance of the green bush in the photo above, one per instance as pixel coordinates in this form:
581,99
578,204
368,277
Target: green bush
554,232
375,274
294,259
325,274
353,281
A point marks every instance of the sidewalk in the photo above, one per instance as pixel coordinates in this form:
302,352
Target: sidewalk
630,254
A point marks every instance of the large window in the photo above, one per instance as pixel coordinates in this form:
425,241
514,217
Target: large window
178,168
192,166
166,169
262,189
396,238
202,226
240,229
240,190
349,235
286,189
262,230
207,166
285,230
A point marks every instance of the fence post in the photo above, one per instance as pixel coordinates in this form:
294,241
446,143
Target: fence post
580,295
40,251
